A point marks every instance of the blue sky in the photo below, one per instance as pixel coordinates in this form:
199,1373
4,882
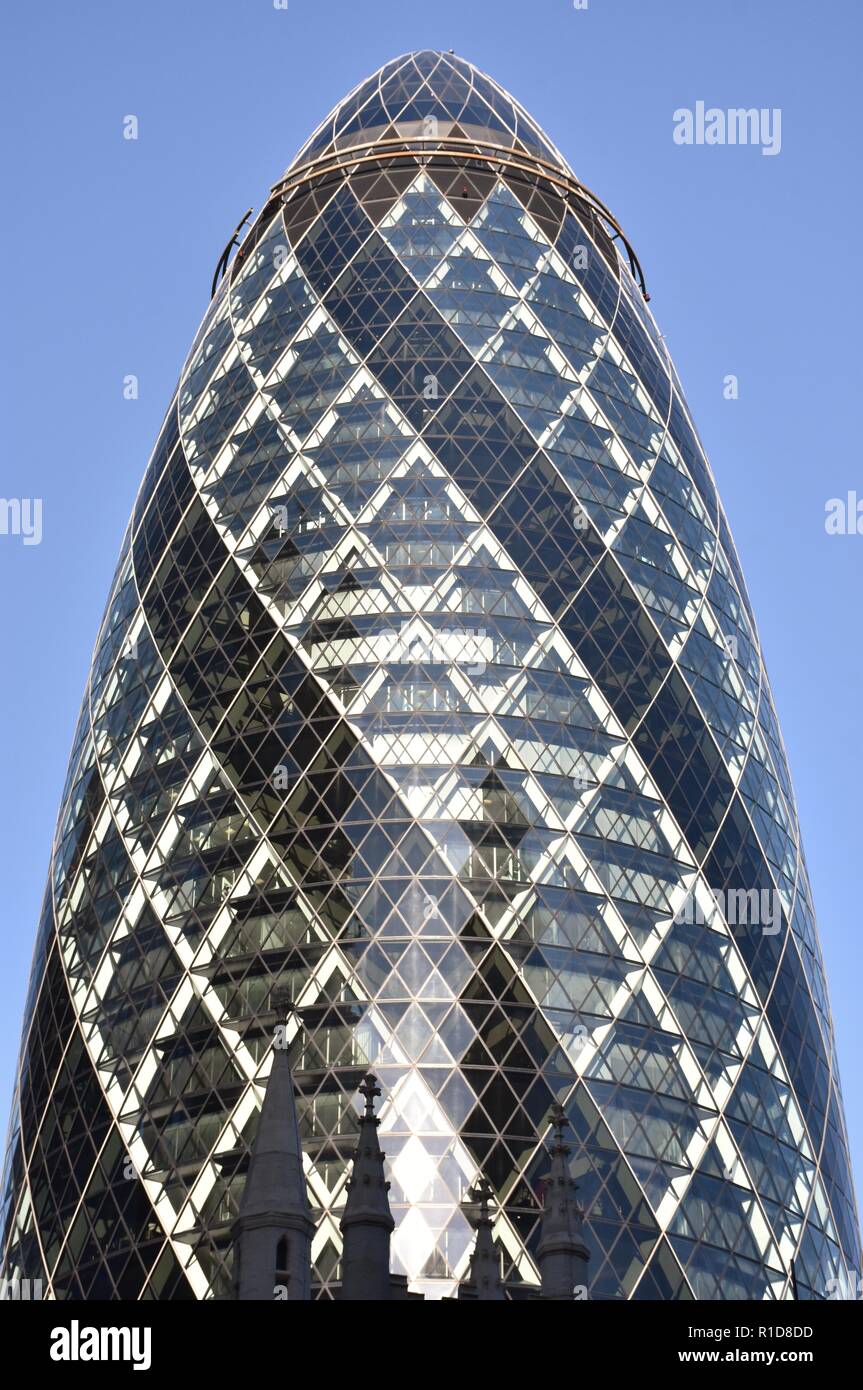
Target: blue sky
752,262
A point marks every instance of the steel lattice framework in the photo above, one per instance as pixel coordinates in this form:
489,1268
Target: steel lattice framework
428,687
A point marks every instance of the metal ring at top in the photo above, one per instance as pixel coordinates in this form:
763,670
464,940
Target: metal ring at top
501,156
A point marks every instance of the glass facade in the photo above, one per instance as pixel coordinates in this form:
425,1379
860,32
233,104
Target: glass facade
428,687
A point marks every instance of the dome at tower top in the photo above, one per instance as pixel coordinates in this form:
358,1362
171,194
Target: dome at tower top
429,95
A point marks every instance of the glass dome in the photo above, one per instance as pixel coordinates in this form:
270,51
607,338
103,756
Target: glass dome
429,95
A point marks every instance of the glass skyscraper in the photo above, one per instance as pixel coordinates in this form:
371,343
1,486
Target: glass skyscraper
428,688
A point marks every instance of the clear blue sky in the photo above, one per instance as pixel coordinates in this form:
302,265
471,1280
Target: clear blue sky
753,264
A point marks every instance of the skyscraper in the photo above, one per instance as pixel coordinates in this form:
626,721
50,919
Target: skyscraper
429,691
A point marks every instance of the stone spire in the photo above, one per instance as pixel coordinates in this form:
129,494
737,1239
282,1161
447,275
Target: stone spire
483,1281
562,1252
273,1230
367,1223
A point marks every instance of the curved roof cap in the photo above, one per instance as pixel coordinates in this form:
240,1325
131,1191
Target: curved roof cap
399,100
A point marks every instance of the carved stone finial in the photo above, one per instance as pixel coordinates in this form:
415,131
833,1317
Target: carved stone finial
367,1222
562,1253
369,1088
